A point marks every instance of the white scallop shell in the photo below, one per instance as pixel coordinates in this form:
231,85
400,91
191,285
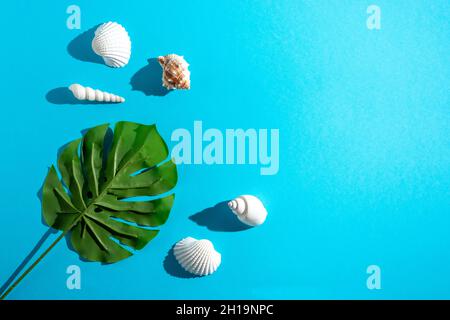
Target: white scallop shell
87,93
249,209
113,44
197,256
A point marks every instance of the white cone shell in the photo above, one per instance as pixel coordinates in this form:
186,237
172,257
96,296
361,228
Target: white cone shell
113,44
87,93
197,256
249,209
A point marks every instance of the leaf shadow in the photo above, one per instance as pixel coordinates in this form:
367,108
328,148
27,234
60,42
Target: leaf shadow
219,218
27,259
62,95
80,47
173,268
148,80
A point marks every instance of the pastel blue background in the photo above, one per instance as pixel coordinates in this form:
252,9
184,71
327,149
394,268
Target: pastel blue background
364,143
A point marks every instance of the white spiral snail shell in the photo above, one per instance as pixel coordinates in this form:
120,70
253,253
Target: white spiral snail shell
113,44
197,256
87,93
249,209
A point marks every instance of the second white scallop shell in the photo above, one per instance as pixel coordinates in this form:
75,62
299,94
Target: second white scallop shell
87,93
113,44
197,256
249,209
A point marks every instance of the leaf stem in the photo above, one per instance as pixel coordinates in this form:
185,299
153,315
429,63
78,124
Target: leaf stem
33,265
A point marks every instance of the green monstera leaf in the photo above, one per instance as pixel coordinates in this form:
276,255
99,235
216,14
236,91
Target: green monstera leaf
92,202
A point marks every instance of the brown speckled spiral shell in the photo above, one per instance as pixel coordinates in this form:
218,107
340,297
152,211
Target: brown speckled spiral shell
175,72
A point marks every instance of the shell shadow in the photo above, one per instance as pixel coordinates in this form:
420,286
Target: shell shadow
80,47
148,80
173,268
63,95
219,218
